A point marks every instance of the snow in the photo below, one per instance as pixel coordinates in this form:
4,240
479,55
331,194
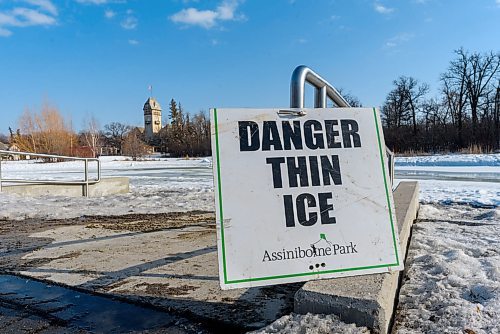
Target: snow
448,160
170,184
478,194
453,270
472,179
156,185
311,324
452,283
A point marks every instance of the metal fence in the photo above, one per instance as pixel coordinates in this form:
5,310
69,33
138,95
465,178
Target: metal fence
85,182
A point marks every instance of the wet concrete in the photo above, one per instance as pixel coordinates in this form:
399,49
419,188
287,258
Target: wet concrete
28,305
165,261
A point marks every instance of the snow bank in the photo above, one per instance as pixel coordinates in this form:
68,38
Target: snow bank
450,160
478,194
452,282
311,324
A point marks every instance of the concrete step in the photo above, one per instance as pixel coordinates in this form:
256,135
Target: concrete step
107,186
364,300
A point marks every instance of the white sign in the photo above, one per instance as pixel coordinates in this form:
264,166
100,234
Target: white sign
301,197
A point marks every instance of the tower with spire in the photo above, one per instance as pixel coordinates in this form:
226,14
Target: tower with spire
152,118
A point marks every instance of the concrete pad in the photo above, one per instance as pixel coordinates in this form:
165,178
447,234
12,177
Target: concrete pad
107,186
174,268
364,300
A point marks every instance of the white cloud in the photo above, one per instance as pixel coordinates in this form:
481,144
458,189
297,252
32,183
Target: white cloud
109,14
31,17
379,8
225,11
4,32
398,40
133,42
129,23
193,16
43,14
8,19
45,5
498,3
93,2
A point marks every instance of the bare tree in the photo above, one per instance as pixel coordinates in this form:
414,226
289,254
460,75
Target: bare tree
115,133
44,132
92,135
350,98
455,90
411,94
404,102
134,146
497,118
464,116
482,70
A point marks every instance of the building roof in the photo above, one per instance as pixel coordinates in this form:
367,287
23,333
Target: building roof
152,104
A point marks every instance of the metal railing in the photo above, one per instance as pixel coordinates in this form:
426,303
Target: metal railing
85,182
322,91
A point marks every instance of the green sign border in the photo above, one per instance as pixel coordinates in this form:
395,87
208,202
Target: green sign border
254,279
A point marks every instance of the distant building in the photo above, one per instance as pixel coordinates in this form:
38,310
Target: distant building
152,119
12,148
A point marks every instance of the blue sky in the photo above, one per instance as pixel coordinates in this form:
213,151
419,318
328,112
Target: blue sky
97,57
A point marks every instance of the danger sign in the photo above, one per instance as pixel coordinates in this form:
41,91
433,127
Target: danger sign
301,196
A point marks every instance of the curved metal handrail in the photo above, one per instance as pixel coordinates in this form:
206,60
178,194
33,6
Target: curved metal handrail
85,182
323,89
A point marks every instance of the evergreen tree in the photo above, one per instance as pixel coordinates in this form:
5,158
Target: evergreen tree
174,112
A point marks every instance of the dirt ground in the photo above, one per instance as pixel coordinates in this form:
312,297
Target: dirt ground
16,241
167,260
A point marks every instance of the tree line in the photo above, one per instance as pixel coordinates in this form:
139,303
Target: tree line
48,131
185,135
465,114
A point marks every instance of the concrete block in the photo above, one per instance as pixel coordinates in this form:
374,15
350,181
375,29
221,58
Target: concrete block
107,186
110,186
364,300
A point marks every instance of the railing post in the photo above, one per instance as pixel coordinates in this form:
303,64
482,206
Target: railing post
98,170
1,172
86,186
392,164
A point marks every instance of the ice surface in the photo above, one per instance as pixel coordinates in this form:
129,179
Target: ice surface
159,185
